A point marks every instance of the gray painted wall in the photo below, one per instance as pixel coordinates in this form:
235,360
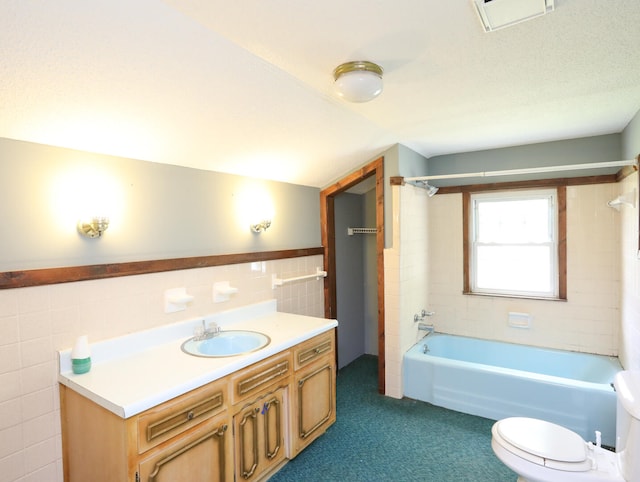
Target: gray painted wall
572,151
631,138
411,163
350,280
157,211
399,160
391,168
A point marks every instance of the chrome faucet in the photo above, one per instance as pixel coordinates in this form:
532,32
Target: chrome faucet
422,325
428,327
204,333
423,314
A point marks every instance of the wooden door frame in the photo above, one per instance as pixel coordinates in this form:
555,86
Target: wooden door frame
327,227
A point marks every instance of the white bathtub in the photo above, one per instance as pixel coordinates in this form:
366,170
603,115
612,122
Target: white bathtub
497,380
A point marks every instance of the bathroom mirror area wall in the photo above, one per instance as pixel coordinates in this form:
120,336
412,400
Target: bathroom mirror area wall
161,217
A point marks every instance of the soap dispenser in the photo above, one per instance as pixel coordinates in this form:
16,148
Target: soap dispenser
81,356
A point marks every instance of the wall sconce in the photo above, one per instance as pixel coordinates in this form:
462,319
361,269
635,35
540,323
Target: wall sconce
359,81
94,227
261,226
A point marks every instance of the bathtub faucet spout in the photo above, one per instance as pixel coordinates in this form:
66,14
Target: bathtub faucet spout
428,327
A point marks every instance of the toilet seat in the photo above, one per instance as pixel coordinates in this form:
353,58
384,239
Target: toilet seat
543,443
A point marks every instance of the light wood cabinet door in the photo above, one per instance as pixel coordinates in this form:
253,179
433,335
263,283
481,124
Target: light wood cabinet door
170,419
314,403
313,392
259,435
204,455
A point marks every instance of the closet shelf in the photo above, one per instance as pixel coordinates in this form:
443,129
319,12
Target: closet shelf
352,231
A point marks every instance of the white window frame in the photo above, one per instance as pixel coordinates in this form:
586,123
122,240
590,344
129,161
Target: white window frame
549,194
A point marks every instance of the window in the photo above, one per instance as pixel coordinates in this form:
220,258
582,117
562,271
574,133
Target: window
515,243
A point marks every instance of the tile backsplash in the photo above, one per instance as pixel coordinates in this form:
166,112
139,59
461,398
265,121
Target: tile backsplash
35,322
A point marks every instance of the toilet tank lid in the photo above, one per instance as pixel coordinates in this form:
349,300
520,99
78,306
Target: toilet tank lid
627,385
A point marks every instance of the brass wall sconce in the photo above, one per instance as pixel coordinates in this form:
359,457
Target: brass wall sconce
94,227
261,226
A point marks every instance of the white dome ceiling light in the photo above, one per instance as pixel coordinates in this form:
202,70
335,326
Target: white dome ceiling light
358,81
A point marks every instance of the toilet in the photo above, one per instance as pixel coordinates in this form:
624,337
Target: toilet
539,451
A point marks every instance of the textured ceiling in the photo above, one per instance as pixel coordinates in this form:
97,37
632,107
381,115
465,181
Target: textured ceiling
246,87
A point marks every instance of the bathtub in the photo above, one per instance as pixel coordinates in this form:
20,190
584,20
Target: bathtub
497,380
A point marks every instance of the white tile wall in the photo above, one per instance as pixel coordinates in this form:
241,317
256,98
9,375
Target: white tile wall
392,305
603,278
406,279
36,322
588,321
630,279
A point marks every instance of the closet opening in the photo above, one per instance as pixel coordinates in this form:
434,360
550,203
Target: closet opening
353,259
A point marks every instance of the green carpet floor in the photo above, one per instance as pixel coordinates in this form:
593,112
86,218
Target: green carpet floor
377,438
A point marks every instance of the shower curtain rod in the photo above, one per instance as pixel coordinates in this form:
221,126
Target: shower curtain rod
528,170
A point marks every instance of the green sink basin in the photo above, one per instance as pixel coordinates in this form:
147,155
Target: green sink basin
227,343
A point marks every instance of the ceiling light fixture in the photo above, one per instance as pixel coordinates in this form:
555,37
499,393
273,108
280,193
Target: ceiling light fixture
358,81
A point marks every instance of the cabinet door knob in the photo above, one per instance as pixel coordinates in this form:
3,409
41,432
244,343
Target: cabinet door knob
190,415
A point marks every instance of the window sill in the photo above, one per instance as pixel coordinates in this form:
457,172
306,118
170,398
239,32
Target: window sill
496,295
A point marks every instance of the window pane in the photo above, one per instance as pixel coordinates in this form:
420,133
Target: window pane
514,268
514,221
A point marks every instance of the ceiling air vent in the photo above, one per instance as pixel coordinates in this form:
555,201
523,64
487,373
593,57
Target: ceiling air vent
497,14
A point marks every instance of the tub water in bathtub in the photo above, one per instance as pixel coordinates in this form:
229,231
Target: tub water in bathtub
497,380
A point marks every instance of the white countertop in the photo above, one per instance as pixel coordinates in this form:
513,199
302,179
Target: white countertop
135,372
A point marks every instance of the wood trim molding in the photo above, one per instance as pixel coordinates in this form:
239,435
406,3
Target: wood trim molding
627,171
327,226
541,183
46,276
466,207
380,268
562,243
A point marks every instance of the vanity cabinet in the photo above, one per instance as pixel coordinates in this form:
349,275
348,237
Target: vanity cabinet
260,394
243,426
314,397
203,454
189,435
259,434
